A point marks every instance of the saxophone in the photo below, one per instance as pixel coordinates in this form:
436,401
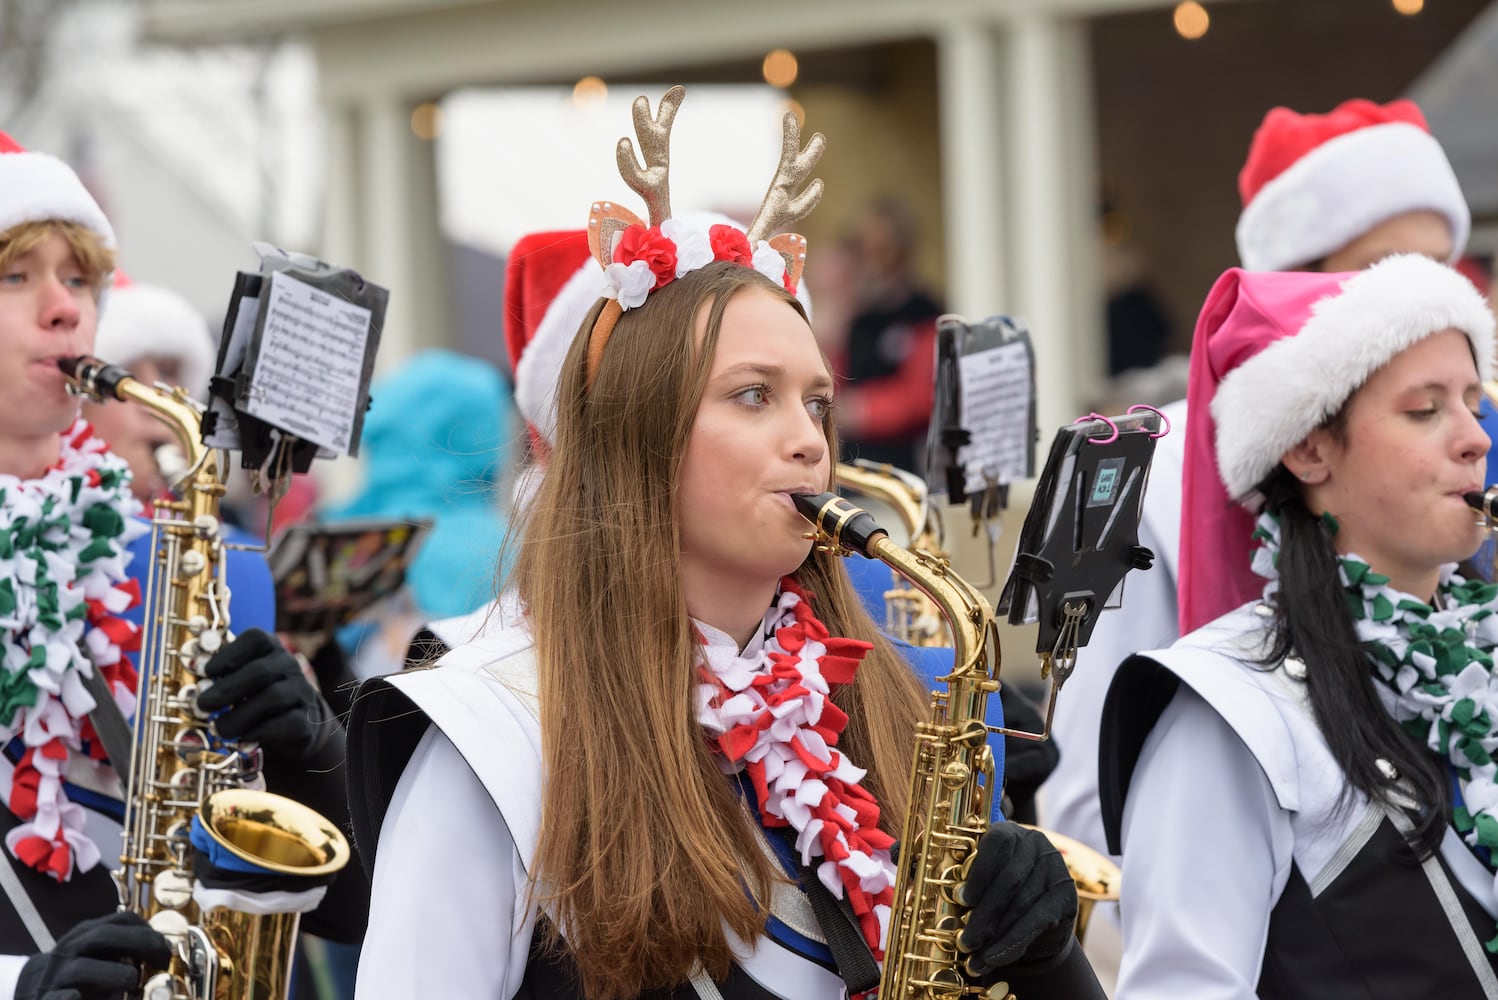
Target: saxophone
912,616
908,614
180,771
952,775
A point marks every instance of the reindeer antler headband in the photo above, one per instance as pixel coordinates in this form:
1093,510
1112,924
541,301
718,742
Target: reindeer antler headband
638,259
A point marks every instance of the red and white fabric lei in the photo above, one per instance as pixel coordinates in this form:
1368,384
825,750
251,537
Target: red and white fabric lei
63,584
770,710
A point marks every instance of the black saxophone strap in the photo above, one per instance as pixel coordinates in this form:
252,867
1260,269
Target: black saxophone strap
110,725
850,952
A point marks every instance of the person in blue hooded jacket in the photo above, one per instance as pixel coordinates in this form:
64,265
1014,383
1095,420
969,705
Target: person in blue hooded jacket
436,445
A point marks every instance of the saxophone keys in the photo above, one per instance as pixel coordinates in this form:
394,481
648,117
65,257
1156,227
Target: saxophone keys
172,890
205,526
210,640
955,774
159,987
191,563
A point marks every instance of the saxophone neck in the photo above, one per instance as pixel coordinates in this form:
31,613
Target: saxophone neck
844,528
904,493
101,381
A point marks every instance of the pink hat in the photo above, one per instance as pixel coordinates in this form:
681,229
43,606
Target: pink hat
1275,356
1314,183
35,187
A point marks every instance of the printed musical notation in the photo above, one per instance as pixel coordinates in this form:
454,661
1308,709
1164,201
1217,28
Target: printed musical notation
311,358
995,409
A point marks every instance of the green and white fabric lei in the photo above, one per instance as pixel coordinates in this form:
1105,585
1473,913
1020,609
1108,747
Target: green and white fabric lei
64,541
1437,662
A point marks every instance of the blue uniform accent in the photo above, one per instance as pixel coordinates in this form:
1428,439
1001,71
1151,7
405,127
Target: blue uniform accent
85,797
785,853
220,856
871,579
1487,555
252,592
1489,420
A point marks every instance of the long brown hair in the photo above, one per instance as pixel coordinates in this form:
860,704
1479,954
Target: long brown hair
646,851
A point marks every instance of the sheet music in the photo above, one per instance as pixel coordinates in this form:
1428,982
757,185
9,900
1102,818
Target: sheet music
307,375
995,397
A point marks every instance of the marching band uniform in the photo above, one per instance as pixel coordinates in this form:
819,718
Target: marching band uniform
1312,184
451,756
72,547
1251,867
1302,894
447,762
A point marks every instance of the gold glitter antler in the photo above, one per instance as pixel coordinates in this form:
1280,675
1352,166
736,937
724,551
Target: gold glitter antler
782,205
653,181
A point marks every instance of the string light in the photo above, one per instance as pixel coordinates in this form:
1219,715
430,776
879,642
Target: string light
780,68
1409,8
426,121
589,92
1191,20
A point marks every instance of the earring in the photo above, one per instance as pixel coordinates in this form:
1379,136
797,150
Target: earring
1305,477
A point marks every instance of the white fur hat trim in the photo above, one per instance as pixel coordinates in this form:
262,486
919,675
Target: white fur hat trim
36,187
1342,189
1269,403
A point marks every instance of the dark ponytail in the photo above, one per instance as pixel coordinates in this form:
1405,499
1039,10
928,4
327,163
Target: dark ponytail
1312,621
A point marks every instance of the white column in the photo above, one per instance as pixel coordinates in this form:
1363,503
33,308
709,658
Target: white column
384,253
969,81
340,223
1051,231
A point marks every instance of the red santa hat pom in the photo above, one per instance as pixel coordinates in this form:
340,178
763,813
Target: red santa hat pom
1314,183
35,187
147,320
1275,356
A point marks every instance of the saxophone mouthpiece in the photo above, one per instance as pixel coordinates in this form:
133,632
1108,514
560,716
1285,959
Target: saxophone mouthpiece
91,378
846,525
1485,504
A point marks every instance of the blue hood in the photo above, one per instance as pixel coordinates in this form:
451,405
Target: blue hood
437,439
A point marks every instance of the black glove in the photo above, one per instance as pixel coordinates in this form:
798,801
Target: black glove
94,961
265,697
1026,762
1022,901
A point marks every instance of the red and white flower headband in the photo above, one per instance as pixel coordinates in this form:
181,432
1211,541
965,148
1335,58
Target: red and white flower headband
638,259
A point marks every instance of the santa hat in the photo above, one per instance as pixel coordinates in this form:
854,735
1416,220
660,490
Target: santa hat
1275,356
35,187
551,283
1314,183
147,320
